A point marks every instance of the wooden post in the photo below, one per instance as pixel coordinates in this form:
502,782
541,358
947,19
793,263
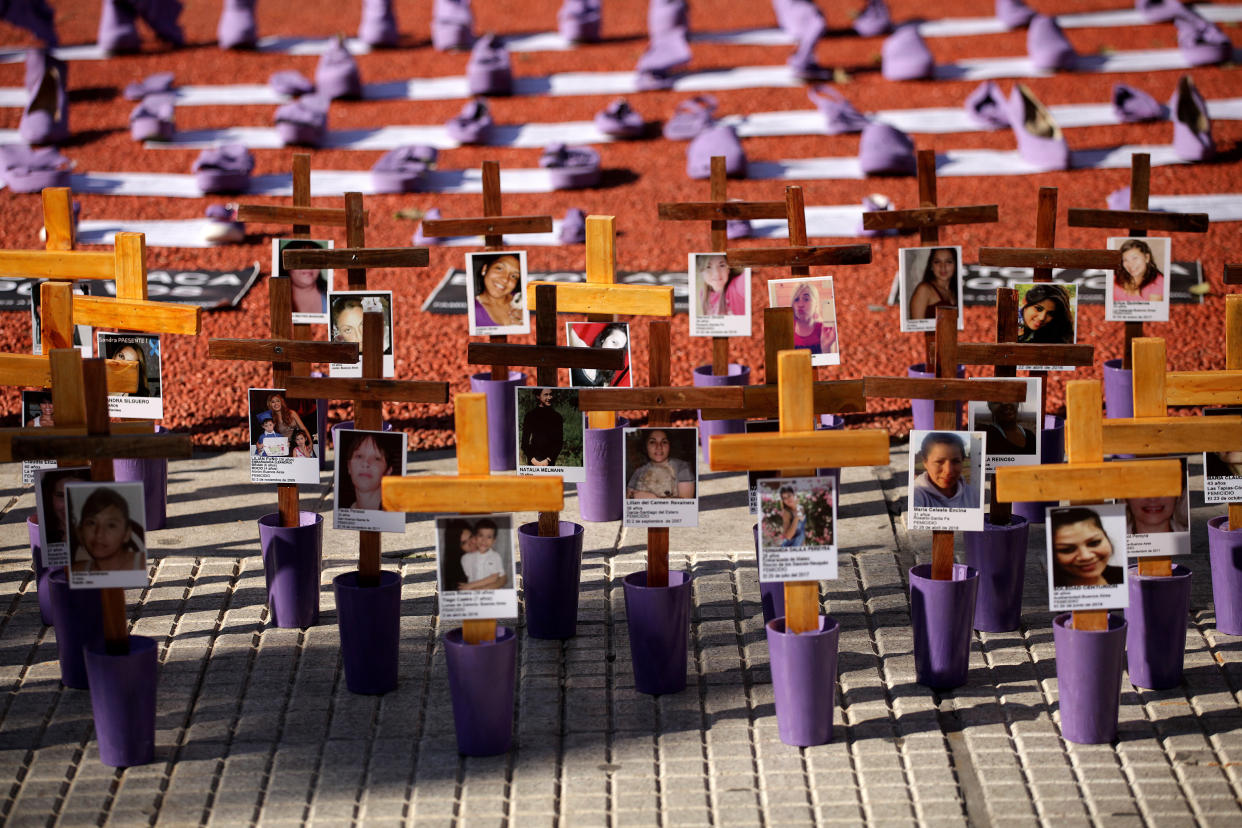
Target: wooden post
659,372
797,416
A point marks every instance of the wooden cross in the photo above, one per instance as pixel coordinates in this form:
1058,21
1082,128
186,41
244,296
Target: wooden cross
928,218
1086,477
492,226
1233,274
799,445
719,211
81,388
474,485
1139,219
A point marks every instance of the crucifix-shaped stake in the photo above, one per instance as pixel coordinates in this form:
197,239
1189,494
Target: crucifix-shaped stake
1138,219
1086,477
719,211
473,484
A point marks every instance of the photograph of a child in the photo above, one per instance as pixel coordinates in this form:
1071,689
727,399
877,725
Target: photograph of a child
1222,470
929,277
82,339
347,310
1087,557
1013,438
363,460
147,402
661,476
946,480
798,515
1140,289
310,286
815,315
52,515
549,432
1047,314
1159,525
106,534
496,288
720,294
476,566
599,335
279,430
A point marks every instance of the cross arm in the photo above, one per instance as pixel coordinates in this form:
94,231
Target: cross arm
1016,353
720,210
57,264
287,214
373,390
355,257
36,371
34,446
7,434
922,217
282,350
1050,257
544,356
836,254
480,493
137,315
600,297
661,398
983,390
799,450
1203,388
1233,274
832,397
487,226
1139,220
1171,435
1088,481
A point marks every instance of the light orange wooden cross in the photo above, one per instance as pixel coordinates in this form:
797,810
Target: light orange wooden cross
797,448
1138,220
473,485
1086,477
719,211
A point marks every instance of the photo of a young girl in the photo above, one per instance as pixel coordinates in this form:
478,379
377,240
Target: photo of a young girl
797,528
347,312
815,315
106,534
930,277
310,286
363,460
1139,290
720,297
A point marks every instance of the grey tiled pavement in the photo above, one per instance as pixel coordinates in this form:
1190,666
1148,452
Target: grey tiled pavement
254,724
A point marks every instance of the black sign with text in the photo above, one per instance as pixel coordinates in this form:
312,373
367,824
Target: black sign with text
209,289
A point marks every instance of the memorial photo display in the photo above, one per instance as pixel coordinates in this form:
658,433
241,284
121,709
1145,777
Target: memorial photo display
1139,291
929,277
82,339
753,477
363,460
107,528
1047,315
1159,525
53,516
310,286
1013,433
549,432
283,449
661,477
475,566
1087,557
719,296
147,402
946,480
1222,470
797,529
37,412
815,315
496,293
346,309
599,335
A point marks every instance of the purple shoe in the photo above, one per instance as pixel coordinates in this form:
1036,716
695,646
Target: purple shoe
668,49
1047,46
904,55
117,31
1159,11
488,71
691,117
875,203
717,140
399,170
1131,105
420,240
618,120
873,20
223,227
378,25
1200,41
452,25
336,75
152,119
1119,199
1013,14
578,21
35,16
668,17
885,150
155,84
808,26
303,122
840,116
986,106
1040,142
738,229
163,16
223,169
572,167
46,117
472,124
1192,128
290,82
573,227
236,29
27,170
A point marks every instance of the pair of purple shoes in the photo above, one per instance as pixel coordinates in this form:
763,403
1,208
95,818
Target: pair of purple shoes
620,120
882,149
472,125
1192,128
718,139
336,76
1200,41
1040,140
571,168
905,56
578,21
691,117
236,28
45,120
804,22
668,47
224,169
35,16
400,170
452,25
27,170
118,30
303,122
152,118
489,72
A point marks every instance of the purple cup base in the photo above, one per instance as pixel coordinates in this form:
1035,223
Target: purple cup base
1051,451
501,415
924,411
1118,390
551,571
1156,628
152,473
369,620
123,701
703,377
1225,551
771,593
36,563
292,560
481,681
998,553
804,679
659,625
600,495
941,615
1089,679
78,618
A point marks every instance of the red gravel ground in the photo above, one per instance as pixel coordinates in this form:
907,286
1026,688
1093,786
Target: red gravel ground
208,397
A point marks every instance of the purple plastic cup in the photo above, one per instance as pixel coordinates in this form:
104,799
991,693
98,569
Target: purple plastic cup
1118,390
481,681
1156,628
501,416
941,614
771,593
1089,678
369,619
152,472
36,561
123,700
292,558
551,569
703,376
1225,550
924,411
1051,450
659,622
998,554
601,495
78,619
804,680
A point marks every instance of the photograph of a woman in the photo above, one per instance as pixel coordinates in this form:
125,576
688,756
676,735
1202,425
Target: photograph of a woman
52,515
476,567
106,534
1087,548
720,303
1159,525
1139,290
599,335
347,312
1047,312
815,315
929,278
38,409
796,528
147,401
310,286
661,477
1222,470
283,447
946,480
363,460
497,292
